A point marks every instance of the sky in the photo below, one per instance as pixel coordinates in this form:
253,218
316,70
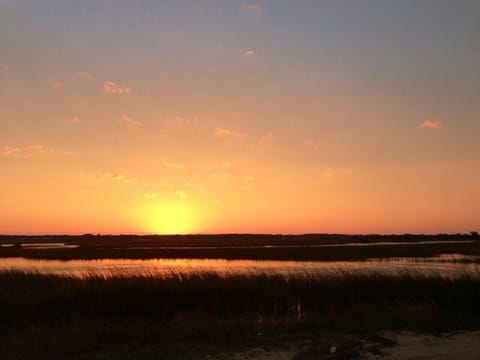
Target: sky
275,116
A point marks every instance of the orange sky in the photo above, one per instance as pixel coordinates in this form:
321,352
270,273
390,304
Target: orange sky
213,117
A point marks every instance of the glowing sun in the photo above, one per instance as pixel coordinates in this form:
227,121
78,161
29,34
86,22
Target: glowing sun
171,218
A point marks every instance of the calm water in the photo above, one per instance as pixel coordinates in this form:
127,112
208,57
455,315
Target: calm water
55,245
445,266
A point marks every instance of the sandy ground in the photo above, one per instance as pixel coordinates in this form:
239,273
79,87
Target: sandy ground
459,346
387,346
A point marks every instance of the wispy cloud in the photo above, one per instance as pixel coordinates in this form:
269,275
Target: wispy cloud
249,52
55,85
32,150
267,137
340,171
111,87
221,175
181,194
11,151
150,195
328,172
85,75
182,120
253,7
74,120
249,178
130,121
226,164
228,133
115,177
311,143
173,165
429,124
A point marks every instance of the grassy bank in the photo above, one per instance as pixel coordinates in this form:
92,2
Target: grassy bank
70,317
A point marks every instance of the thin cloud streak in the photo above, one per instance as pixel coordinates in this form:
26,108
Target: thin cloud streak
181,120
85,75
311,143
55,85
429,124
111,87
74,120
221,132
32,150
267,137
130,121
181,194
221,175
253,7
173,165
115,177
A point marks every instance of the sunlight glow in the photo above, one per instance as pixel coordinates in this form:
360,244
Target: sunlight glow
170,218
232,117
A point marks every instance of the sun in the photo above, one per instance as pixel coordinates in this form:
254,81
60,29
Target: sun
171,218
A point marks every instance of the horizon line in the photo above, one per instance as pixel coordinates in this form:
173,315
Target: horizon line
469,233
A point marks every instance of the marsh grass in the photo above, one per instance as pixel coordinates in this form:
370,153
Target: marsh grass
190,316
34,296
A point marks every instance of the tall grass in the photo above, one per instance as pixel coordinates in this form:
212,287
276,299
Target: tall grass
45,317
27,296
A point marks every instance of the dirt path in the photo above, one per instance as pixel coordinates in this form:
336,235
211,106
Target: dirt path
459,346
388,346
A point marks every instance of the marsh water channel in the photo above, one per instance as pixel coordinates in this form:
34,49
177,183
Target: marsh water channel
449,266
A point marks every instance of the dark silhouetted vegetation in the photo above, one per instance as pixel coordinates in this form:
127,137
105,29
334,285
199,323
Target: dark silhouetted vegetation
106,314
187,317
271,247
257,296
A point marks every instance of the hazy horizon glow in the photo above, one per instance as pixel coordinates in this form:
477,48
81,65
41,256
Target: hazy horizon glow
239,116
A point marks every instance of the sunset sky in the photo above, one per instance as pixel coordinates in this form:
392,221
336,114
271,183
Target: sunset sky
236,116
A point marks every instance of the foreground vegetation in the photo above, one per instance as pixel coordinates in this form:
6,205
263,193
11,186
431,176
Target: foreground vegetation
151,317
194,316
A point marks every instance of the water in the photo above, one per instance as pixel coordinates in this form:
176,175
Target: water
53,245
449,266
303,246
